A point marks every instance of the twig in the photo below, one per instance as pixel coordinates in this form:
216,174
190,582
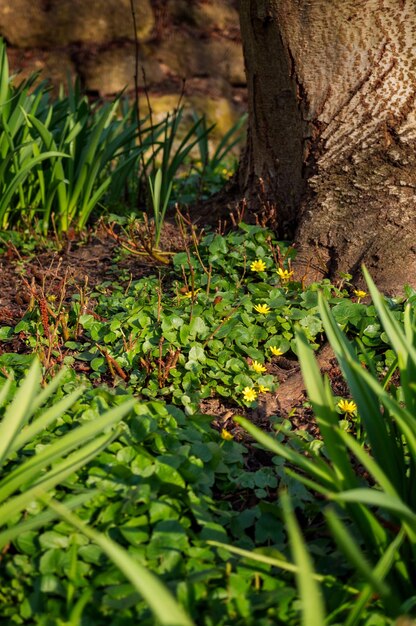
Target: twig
113,366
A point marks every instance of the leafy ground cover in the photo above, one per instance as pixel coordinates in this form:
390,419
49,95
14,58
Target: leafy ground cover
197,343
161,461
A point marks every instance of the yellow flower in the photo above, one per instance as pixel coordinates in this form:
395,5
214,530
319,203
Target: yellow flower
276,351
347,406
263,389
284,275
262,308
190,294
258,367
249,394
258,266
360,294
226,435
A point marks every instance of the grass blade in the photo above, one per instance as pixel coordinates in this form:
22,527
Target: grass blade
312,605
381,570
356,557
43,518
316,467
19,411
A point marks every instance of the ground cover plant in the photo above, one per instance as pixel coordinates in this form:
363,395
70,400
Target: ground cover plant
149,472
170,488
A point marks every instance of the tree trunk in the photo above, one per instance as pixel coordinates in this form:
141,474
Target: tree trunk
332,130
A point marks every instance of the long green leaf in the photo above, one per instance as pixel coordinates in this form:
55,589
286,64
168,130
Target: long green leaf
22,174
57,475
322,402
404,343
316,467
380,571
403,349
4,391
43,518
19,411
312,604
355,555
373,497
61,446
384,447
48,416
280,563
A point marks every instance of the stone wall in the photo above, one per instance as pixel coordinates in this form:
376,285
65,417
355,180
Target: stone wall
190,43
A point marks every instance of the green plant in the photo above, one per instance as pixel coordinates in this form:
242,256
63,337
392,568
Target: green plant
150,491
62,157
29,480
164,607
203,334
209,164
19,153
370,483
92,139
25,482
59,156
189,503
208,171
170,156
160,202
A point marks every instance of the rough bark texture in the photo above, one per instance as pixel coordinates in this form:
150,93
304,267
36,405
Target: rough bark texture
332,92
277,128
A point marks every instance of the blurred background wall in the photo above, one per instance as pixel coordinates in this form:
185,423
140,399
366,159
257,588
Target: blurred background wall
190,44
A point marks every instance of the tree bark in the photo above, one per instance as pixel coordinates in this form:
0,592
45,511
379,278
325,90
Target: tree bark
332,130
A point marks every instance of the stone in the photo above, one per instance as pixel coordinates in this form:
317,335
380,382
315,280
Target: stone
216,14
55,66
111,70
46,23
188,56
218,111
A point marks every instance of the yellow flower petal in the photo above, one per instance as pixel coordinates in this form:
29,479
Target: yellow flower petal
263,309
360,293
263,389
347,406
190,294
284,275
249,394
226,435
276,351
258,367
258,266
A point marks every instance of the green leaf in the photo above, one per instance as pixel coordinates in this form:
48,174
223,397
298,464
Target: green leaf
347,312
372,497
197,327
196,353
160,600
354,554
312,605
19,411
218,246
